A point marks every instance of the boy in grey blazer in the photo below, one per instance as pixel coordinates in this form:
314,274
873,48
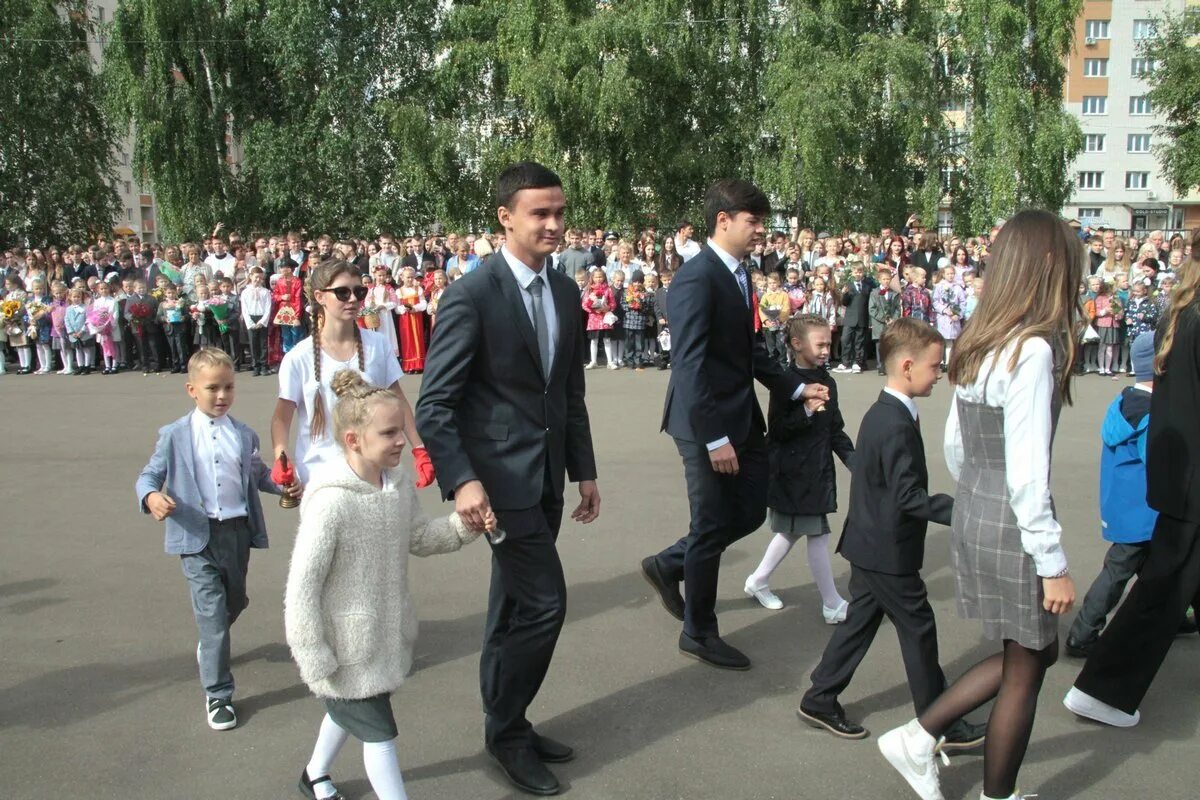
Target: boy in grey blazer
204,481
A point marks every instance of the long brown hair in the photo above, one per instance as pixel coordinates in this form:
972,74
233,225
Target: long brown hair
318,280
1182,297
1032,291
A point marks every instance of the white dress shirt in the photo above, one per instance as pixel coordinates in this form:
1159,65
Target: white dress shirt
217,462
256,302
903,398
526,276
687,250
733,264
1025,394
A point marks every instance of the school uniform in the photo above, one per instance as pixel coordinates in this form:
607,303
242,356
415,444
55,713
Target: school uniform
256,311
884,307
856,324
884,540
210,467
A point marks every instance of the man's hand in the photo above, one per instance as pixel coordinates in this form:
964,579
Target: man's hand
589,503
815,391
160,505
472,504
813,405
724,459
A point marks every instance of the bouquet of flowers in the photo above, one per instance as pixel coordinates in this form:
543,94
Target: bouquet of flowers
219,306
597,302
36,309
139,316
1116,308
197,311
954,309
99,320
10,311
369,316
845,277
287,316
158,294
634,297
173,311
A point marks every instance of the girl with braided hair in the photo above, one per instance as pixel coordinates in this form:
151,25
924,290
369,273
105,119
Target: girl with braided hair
335,293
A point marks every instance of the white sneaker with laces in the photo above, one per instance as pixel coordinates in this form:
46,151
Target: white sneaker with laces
1087,706
855,369
835,616
910,750
763,594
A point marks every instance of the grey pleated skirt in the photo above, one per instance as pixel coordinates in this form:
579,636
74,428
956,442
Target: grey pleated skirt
368,720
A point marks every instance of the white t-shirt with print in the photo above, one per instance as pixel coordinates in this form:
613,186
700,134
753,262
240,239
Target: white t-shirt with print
297,383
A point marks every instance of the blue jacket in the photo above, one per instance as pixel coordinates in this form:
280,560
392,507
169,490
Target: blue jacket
1125,515
172,465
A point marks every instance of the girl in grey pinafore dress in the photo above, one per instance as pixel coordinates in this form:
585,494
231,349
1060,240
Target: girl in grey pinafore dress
996,580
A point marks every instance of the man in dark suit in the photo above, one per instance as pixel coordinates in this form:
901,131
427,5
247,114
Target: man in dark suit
502,414
713,415
774,260
927,253
884,540
856,325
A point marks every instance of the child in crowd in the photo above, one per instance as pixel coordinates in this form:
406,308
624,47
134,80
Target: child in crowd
172,318
101,319
59,340
287,305
855,317
598,302
974,295
915,300
227,314
203,328
1142,313
1106,316
948,301
884,540
821,303
617,334
41,324
884,309
348,614
141,310
204,481
774,309
795,291
78,335
802,438
255,302
15,329
637,305
440,282
411,305
664,329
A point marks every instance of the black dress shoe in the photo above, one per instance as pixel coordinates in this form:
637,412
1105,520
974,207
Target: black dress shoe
962,736
306,786
550,751
525,771
668,590
1077,649
835,723
714,651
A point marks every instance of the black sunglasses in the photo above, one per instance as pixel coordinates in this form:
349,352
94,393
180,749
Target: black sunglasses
343,293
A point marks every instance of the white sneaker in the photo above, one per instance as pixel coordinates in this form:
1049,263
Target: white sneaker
855,369
590,365
613,366
764,595
1087,706
835,616
841,369
909,749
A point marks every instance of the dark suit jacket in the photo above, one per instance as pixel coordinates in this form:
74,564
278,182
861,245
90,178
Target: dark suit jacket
928,264
857,304
486,411
715,358
773,262
890,504
1173,440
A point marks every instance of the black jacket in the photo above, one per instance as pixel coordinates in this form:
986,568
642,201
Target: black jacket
856,303
1173,440
715,357
486,411
890,504
800,450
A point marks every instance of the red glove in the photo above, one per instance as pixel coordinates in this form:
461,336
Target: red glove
423,467
283,475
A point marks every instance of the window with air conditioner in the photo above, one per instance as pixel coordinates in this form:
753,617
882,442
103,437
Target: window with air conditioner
1095,67
1094,105
1138,143
1139,106
1144,29
1096,29
1090,180
1137,180
1094,143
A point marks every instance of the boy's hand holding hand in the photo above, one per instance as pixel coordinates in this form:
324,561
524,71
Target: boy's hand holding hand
160,505
815,391
813,405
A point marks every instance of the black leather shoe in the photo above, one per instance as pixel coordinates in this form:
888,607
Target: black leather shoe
835,723
524,771
550,751
962,736
1077,649
668,590
306,786
713,651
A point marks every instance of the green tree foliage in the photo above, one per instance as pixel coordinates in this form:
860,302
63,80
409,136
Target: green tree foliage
56,148
1175,96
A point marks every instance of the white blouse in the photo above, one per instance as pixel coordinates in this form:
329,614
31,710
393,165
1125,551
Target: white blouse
1025,394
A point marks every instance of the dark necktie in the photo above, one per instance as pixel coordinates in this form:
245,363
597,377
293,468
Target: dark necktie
539,323
740,274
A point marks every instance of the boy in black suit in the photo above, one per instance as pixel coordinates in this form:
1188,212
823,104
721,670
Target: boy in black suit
884,541
856,325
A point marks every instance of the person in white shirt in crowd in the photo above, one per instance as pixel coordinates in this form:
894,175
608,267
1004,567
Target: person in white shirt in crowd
684,244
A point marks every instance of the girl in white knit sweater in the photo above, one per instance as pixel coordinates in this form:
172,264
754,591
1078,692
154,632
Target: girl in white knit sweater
349,618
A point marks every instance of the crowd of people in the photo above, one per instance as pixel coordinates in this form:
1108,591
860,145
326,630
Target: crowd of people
127,305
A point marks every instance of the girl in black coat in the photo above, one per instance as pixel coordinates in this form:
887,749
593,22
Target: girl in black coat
802,438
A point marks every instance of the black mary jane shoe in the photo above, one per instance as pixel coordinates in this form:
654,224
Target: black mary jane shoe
306,786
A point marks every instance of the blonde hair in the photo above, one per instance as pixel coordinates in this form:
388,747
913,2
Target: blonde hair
207,357
483,248
1033,292
356,401
1182,297
907,336
319,280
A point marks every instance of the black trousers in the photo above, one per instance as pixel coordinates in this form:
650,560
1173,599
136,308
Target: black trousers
230,342
149,356
854,346
527,603
874,595
1131,649
776,341
258,347
176,343
724,509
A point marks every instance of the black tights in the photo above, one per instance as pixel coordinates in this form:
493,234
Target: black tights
1014,678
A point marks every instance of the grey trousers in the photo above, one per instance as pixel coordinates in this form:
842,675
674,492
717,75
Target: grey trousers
1121,562
216,577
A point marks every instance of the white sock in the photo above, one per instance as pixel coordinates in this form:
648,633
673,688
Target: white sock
68,360
24,356
329,742
44,358
822,571
595,350
383,770
109,362
778,548
610,350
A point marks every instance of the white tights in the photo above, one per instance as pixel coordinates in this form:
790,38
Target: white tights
818,562
45,357
610,350
379,758
25,356
595,343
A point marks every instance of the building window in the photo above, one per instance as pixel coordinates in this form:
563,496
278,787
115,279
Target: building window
1138,143
1137,180
124,159
1140,67
1095,67
1094,143
1139,106
1089,213
1144,29
1096,29
128,188
1095,105
129,214
1090,180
